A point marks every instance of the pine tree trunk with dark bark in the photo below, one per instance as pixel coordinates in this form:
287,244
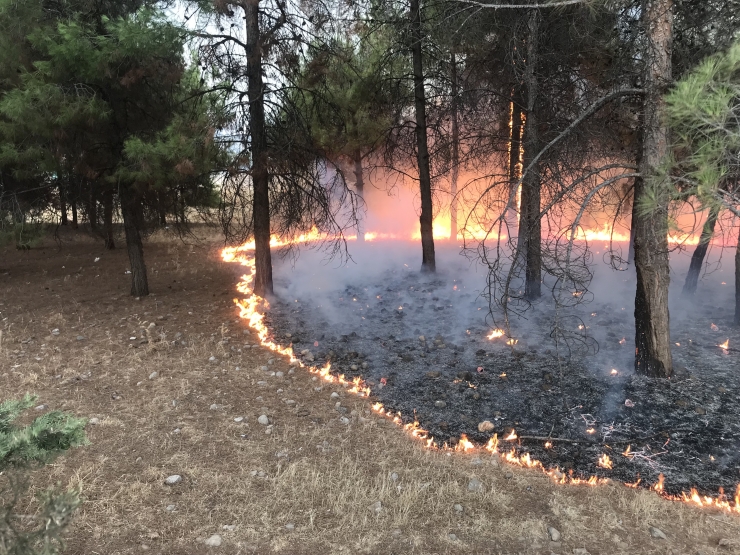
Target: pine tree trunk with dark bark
74,214
62,200
260,177
515,140
697,259
531,201
652,331
360,188
132,220
737,282
426,218
92,207
108,220
455,149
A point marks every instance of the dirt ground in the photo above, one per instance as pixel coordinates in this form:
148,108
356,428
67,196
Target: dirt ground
174,384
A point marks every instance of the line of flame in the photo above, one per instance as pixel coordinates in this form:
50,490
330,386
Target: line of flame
249,311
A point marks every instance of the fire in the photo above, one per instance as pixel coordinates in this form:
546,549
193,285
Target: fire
495,334
725,346
591,431
605,462
512,341
622,341
252,308
628,452
614,372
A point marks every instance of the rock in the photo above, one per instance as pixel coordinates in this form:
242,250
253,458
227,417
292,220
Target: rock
41,407
55,331
485,426
458,508
700,410
172,480
553,533
212,359
394,476
509,475
290,527
153,375
80,338
214,406
657,533
170,508
580,551
263,420
376,507
334,395
229,527
440,404
422,338
396,532
724,542
279,374
94,421
344,420
213,541
239,419
475,485
434,374
452,537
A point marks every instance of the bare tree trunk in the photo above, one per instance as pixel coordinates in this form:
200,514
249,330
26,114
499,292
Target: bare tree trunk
697,259
161,209
737,282
108,220
428,262
360,188
455,149
132,217
652,331
530,212
62,200
515,140
260,178
92,207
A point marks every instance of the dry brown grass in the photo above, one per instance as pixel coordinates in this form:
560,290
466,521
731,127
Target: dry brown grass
320,475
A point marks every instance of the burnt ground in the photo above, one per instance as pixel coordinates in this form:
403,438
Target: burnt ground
370,320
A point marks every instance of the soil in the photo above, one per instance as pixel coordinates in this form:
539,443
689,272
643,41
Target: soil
330,477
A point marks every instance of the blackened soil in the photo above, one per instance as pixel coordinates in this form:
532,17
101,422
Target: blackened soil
421,344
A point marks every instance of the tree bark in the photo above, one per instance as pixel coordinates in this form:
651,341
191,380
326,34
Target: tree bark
360,188
132,218
108,220
62,200
426,218
161,209
530,210
652,331
74,214
697,259
260,177
92,207
515,140
737,282
455,149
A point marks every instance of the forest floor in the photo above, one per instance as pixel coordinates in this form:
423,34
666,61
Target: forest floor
165,399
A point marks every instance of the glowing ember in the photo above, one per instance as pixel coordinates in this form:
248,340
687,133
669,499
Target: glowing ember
548,444
512,341
495,334
622,341
614,372
714,327
605,462
591,431
628,452
725,345
512,436
577,293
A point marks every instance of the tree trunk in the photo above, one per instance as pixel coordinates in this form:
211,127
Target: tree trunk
455,149
652,331
108,220
737,282
530,211
62,200
426,218
74,214
161,210
360,188
92,207
697,259
515,140
260,178
132,217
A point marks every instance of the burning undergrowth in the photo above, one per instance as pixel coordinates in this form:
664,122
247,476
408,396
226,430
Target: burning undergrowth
421,343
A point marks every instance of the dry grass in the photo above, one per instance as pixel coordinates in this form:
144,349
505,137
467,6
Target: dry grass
312,471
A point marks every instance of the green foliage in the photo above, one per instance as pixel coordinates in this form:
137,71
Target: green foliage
703,114
25,447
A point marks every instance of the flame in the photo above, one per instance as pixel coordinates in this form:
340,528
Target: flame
252,308
605,462
512,341
495,334
591,431
622,341
725,346
614,372
628,452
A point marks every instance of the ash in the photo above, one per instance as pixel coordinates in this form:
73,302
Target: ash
420,341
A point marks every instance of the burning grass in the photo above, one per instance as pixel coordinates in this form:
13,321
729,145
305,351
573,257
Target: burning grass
313,471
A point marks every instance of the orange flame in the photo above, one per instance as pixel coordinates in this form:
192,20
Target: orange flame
605,462
495,334
512,436
725,345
